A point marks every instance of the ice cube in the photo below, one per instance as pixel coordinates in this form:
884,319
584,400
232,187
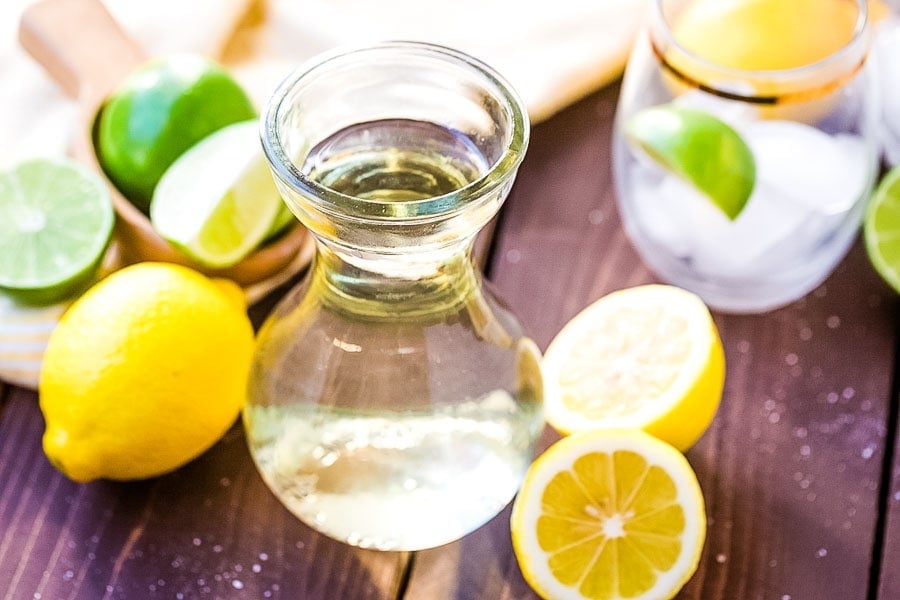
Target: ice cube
825,173
736,248
806,180
657,211
684,221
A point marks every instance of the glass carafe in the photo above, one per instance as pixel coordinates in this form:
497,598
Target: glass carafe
394,402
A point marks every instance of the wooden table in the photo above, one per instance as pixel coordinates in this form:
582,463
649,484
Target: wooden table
799,469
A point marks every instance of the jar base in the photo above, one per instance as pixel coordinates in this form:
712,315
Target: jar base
398,481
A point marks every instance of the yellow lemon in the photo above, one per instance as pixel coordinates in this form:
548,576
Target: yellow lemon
144,372
767,35
647,357
606,515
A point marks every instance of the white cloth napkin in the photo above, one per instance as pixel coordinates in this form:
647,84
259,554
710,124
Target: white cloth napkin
553,52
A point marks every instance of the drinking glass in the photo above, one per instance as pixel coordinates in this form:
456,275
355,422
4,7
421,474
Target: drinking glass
812,133
394,401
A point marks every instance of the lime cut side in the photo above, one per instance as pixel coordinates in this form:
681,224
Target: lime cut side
701,149
882,229
56,220
218,201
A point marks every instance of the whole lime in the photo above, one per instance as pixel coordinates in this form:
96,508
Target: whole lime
159,111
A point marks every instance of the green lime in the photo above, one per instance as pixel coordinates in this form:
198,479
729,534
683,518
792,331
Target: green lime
217,202
158,112
882,228
56,220
700,148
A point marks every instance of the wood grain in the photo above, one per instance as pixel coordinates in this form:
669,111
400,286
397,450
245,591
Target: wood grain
211,529
791,466
888,575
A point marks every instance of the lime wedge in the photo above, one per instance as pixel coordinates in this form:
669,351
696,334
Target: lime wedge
56,220
218,202
700,148
882,228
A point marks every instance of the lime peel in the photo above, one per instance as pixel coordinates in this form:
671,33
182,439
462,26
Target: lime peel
701,149
218,202
882,229
157,113
56,221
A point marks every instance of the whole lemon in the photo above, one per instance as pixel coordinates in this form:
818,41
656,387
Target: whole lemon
159,111
144,372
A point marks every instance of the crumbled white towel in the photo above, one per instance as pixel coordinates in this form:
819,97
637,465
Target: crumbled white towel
552,52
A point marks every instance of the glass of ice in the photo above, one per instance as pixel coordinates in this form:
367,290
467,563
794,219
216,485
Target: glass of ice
811,129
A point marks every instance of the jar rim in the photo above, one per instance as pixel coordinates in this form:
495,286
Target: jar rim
856,43
330,200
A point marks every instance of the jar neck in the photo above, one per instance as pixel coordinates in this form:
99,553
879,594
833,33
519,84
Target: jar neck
385,284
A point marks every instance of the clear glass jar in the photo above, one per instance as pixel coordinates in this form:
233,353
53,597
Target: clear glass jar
813,133
394,401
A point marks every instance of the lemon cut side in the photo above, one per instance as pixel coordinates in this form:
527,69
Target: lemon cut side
647,357
609,514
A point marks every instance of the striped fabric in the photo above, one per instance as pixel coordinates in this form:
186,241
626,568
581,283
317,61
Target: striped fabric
24,332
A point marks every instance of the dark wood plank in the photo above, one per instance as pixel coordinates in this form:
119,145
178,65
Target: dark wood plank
791,466
211,529
889,576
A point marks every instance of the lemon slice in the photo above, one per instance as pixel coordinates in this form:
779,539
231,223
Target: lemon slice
218,202
647,357
609,514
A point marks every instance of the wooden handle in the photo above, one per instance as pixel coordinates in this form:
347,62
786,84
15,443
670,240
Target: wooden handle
80,45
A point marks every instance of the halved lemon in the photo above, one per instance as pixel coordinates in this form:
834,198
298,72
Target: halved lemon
646,357
606,515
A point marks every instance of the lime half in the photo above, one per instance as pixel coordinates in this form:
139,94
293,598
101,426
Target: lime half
882,228
56,220
700,148
218,202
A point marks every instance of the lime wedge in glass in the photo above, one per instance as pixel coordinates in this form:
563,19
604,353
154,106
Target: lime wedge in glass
882,229
700,148
218,202
56,220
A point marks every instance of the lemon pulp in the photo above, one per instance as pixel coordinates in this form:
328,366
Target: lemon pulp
609,514
766,34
